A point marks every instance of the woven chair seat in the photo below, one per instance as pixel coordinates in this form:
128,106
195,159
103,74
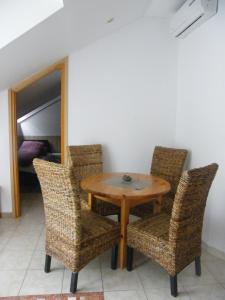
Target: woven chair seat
98,235
97,229
143,233
151,237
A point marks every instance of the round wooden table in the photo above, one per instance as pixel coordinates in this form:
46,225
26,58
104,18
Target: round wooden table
110,187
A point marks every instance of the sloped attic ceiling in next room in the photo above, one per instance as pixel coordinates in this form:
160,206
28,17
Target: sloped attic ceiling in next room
77,24
38,93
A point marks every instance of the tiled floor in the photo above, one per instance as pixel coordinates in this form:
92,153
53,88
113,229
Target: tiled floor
22,259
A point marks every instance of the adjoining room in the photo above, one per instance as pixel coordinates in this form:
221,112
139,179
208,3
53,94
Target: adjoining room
38,108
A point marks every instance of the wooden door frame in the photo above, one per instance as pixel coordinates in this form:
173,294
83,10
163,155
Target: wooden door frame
61,66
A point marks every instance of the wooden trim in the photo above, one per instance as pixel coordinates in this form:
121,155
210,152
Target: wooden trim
14,157
64,109
61,66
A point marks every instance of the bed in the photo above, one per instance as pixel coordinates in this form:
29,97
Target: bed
29,150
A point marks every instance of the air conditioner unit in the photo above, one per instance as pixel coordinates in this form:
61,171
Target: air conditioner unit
191,15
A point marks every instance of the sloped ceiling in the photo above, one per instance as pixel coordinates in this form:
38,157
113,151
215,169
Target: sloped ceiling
17,17
38,93
78,24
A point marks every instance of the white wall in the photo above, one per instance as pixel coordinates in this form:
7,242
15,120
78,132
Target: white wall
201,113
5,184
44,123
122,94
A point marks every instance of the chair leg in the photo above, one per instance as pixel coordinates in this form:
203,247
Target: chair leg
114,257
130,254
198,271
118,216
47,263
173,285
73,283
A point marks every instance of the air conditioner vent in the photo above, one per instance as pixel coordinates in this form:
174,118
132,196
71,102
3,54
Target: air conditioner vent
191,15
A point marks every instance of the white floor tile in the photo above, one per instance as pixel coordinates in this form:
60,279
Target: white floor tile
217,269
153,276
206,256
10,282
12,260
38,262
125,295
9,222
5,236
38,282
8,225
89,278
22,242
164,294
3,243
188,278
206,292
120,280
29,229
41,242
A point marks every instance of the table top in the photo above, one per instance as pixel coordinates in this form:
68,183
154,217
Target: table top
104,184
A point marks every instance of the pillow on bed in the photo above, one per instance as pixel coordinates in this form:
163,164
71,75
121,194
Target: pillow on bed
28,151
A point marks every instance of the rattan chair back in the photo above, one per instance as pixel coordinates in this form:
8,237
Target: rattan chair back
189,206
86,160
168,163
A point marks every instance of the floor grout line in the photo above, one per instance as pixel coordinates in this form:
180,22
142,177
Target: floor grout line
146,296
63,280
100,265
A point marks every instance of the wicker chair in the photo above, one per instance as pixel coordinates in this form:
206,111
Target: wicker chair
73,236
174,242
168,164
86,160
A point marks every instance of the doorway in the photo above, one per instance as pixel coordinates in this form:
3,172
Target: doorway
38,128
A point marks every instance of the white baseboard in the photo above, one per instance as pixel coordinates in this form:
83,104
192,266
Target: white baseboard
216,252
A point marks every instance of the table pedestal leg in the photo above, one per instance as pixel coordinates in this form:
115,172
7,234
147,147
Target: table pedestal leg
123,232
157,205
90,200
